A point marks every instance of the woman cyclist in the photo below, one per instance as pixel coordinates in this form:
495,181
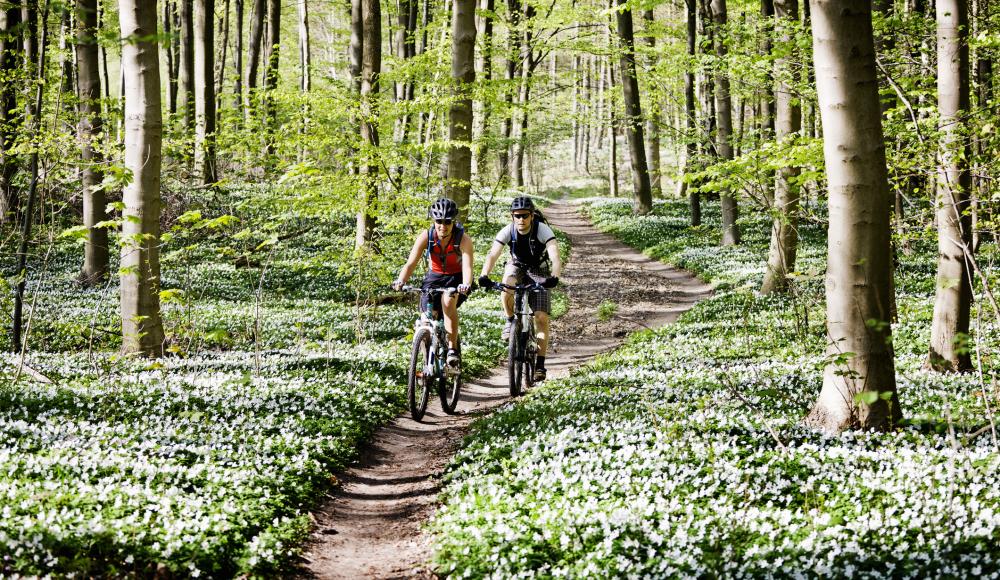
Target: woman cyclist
449,253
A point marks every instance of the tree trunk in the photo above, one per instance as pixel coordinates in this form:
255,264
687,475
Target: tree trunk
142,328
653,121
34,110
29,17
690,143
513,47
91,125
168,49
305,57
788,122
10,116
483,122
953,299
724,115
859,384
271,74
186,75
642,193
463,75
238,54
66,55
258,21
767,104
527,69
609,70
204,86
371,68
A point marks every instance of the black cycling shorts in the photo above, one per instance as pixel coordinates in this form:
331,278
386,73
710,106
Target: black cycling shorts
436,280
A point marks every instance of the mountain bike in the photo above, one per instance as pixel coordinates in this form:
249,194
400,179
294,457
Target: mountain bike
522,346
428,366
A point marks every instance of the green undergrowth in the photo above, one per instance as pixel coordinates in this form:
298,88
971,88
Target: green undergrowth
206,462
682,454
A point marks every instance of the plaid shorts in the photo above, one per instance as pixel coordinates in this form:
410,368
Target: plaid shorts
540,300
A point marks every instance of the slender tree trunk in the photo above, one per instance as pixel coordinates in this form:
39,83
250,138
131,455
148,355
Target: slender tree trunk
220,65
186,75
767,104
724,114
142,328
371,68
66,55
305,56
238,54
204,87
33,113
527,69
463,75
168,48
613,189
91,125
271,74
29,17
258,22
690,143
953,299
859,384
642,192
483,122
587,92
513,47
10,116
653,121
788,122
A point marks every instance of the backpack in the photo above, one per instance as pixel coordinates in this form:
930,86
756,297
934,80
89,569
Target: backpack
536,248
456,241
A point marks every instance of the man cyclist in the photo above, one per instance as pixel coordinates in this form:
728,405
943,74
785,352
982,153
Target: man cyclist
534,255
449,254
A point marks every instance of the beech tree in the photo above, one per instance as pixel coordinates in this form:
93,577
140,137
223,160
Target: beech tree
724,117
463,75
643,203
859,381
90,127
185,76
953,298
204,87
142,327
787,123
371,68
10,55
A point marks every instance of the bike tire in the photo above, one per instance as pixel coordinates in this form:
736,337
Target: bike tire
529,362
513,360
418,385
449,389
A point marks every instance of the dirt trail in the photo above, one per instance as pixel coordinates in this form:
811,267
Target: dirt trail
371,525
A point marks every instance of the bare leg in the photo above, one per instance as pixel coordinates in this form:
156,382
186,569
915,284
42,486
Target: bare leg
542,332
449,306
507,296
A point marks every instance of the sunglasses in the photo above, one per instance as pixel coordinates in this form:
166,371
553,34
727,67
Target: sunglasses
520,216
443,222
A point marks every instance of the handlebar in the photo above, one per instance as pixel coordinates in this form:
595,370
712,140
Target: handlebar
431,291
533,287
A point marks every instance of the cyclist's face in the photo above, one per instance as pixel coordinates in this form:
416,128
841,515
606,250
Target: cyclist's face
522,220
443,227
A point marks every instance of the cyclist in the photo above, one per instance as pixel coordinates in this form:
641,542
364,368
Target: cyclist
534,254
449,254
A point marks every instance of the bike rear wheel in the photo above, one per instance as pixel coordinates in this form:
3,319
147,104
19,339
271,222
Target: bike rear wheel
529,357
419,385
514,369
449,389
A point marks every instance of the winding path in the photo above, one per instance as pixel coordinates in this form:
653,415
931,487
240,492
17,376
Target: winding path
371,525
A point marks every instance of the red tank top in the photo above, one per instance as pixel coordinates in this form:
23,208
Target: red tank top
445,259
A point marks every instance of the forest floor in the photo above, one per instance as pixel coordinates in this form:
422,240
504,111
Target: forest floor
372,525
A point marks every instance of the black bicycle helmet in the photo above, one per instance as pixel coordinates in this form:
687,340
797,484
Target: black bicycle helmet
443,209
522,202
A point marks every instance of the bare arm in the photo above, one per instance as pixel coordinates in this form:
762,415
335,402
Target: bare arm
411,263
466,248
553,249
491,258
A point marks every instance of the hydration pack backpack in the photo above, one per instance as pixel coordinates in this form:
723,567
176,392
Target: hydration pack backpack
536,249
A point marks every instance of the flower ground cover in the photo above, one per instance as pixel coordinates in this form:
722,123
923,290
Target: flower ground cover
206,463
682,455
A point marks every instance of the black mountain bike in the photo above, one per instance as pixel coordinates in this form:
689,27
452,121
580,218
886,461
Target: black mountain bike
522,346
428,365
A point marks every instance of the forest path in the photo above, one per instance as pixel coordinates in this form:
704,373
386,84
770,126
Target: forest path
371,525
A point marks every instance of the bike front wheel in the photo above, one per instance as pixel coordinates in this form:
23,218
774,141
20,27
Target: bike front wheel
449,388
419,385
514,368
